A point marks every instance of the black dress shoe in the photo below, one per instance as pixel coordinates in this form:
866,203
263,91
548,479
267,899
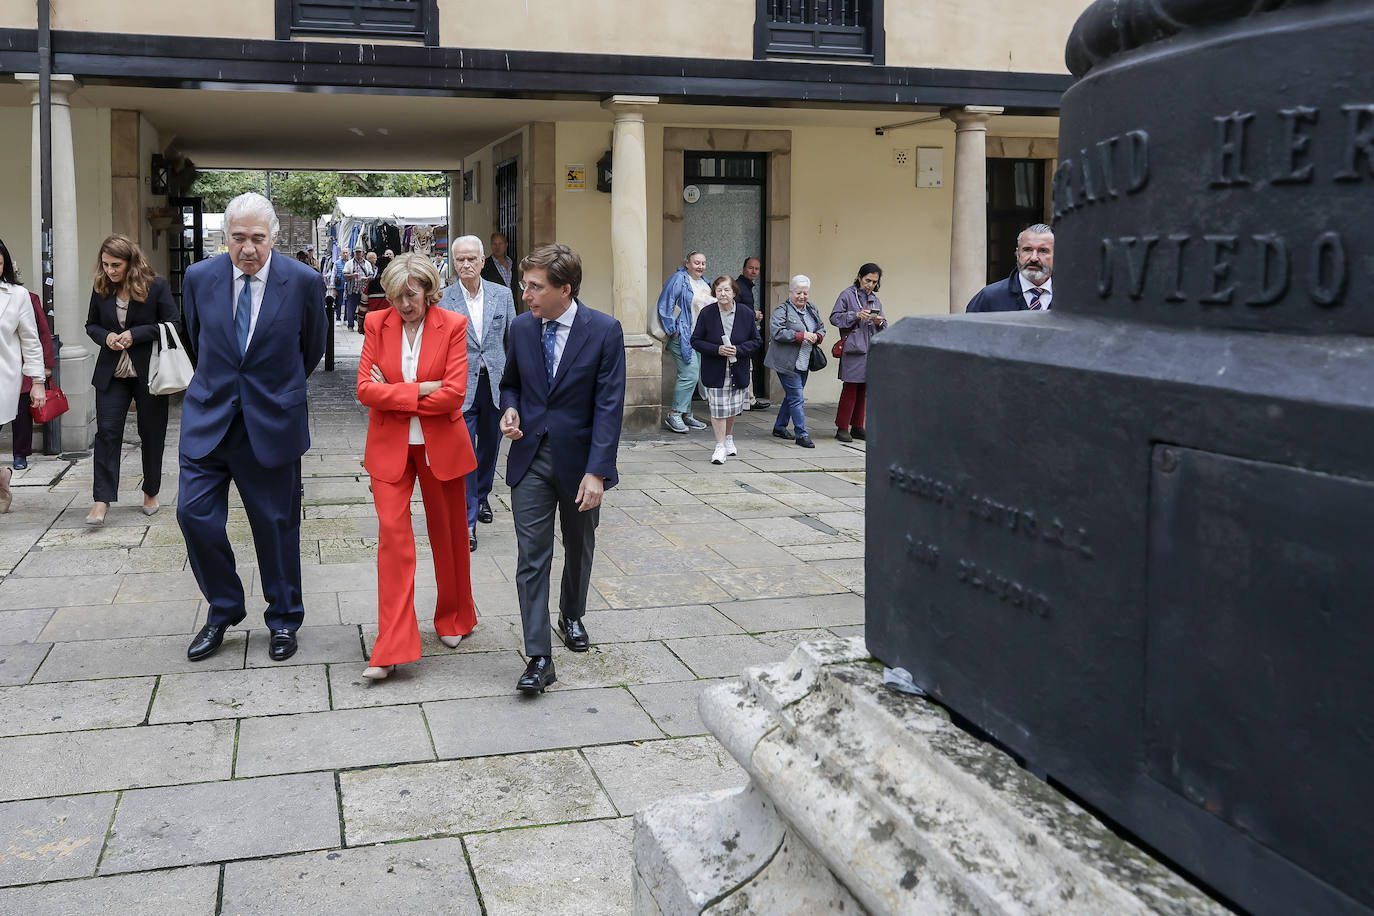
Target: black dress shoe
538,675
760,404
858,433
207,641
573,634
472,539
484,512
783,434
805,442
20,462
281,645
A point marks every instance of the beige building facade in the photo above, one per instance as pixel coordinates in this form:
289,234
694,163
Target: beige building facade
865,138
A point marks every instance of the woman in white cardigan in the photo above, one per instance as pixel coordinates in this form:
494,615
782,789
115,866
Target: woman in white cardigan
21,353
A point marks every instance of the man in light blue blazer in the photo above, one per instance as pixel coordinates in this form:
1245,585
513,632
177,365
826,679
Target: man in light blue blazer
257,324
489,309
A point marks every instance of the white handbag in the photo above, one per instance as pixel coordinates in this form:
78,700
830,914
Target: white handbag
169,368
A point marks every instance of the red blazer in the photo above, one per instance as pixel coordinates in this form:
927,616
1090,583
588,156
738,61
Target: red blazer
443,357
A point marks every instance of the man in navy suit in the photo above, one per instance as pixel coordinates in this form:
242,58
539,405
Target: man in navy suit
1030,287
258,325
563,399
489,309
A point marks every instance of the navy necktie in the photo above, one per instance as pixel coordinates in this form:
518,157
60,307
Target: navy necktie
550,338
1036,293
243,315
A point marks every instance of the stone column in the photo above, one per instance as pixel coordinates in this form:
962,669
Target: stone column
70,295
968,249
630,261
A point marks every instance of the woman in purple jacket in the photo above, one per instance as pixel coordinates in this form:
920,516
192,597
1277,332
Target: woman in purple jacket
859,315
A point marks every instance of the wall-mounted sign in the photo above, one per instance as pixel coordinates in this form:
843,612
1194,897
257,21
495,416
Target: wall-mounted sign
691,194
575,176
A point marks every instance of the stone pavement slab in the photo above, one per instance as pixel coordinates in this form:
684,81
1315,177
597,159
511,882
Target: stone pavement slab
673,706
614,664
550,870
217,821
459,675
23,626
71,661
49,839
649,623
458,796
238,693
636,775
792,613
121,621
561,718
35,766
657,590
727,656
428,876
74,705
19,662
57,591
315,645
336,740
774,582
178,892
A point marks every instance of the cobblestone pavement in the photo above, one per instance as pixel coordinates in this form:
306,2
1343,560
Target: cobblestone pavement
133,781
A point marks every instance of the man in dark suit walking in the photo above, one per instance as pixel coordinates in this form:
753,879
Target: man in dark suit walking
258,325
1030,287
500,267
562,394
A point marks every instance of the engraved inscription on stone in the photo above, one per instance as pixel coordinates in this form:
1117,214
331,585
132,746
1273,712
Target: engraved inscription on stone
1248,151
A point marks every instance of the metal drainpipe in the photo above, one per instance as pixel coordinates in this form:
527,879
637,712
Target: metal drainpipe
52,430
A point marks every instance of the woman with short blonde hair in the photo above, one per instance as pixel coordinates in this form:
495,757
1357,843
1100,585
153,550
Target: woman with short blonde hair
412,377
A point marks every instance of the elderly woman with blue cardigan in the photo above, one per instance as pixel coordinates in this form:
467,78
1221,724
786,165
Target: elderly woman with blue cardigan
794,330
683,297
726,338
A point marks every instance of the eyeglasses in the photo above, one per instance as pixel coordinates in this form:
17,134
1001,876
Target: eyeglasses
532,287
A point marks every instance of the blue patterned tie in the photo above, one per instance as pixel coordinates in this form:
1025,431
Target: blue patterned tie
243,315
1036,293
550,341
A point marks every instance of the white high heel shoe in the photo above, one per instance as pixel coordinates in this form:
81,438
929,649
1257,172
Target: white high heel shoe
374,673
451,641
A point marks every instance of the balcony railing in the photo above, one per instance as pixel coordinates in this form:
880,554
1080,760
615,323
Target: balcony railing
361,19
835,29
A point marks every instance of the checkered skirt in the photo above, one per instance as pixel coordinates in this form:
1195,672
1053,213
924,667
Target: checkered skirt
728,401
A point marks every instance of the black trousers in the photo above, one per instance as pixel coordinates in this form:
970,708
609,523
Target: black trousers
111,410
762,374
22,429
534,502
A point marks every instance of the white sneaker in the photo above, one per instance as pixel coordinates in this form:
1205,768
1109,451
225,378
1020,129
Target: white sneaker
730,446
718,456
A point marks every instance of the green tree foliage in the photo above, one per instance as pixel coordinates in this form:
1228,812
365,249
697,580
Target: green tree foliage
312,194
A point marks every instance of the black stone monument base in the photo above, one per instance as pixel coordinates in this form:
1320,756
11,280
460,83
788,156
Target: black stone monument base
1142,558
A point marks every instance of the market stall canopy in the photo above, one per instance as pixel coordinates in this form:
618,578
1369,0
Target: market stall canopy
408,211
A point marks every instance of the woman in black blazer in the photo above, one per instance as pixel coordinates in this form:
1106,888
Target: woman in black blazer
726,338
127,304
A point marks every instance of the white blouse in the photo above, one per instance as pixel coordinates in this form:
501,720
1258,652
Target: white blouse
410,362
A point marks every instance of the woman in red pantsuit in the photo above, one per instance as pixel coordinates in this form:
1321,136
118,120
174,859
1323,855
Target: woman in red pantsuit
413,375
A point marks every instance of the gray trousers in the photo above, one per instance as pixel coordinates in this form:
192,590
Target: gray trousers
533,503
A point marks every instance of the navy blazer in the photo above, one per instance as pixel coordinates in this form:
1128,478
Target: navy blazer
706,338
268,382
102,319
581,412
1003,296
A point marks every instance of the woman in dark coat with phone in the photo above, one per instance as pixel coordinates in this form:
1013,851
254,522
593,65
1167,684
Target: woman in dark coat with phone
725,341
127,304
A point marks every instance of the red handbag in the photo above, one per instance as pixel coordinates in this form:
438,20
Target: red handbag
55,406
